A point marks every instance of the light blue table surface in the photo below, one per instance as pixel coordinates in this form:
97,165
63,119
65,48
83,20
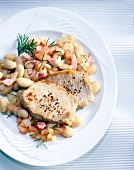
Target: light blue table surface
114,20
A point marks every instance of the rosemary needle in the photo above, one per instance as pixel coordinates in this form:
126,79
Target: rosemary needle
34,134
84,56
47,41
41,64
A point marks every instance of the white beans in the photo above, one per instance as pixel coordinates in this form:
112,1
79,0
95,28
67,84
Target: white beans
16,87
26,122
4,72
77,121
53,138
91,70
95,86
3,105
1,75
14,76
8,64
68,132
29,65
20,70
23,113
6,89
23,82
10,57
26,75
19,60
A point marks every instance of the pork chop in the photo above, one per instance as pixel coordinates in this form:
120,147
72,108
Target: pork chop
76,83
49,101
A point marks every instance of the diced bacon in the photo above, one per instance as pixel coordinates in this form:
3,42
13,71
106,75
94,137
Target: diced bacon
44,49
30,71
33,129
25,59
55,69
74,62
7,82
16,109
41,75
41,125
25,55
38,48
36,62
90,61
52,61
29,117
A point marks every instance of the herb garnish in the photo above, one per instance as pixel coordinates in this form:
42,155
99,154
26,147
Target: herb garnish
41,64
84,56
47,41
34,134
41,142
23,46
61,54
52,44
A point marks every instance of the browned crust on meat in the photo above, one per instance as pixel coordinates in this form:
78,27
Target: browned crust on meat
31,96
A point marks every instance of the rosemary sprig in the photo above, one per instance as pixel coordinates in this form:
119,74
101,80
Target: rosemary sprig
41,142
23,46
8,116
47,41
41,64
84,56
37,139
52,126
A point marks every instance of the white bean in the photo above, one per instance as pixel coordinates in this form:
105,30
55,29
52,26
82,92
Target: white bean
19,60
16,87
91,70
77,121
26,75
26,122
14,76
95,86
8,64
23,113
1,75
29,65
4,72
68,132
53,138
3,105
20,70
23,82
6,89
10,57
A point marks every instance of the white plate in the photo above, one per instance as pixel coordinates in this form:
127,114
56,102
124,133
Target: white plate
51,22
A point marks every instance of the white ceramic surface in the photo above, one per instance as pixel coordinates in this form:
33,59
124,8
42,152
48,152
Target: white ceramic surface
96,117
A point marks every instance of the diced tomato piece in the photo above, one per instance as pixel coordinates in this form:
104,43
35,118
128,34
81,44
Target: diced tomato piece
23,129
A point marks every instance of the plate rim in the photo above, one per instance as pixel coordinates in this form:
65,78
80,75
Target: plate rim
115,76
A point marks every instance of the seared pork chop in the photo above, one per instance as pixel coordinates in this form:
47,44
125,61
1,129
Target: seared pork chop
49,101
76,83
